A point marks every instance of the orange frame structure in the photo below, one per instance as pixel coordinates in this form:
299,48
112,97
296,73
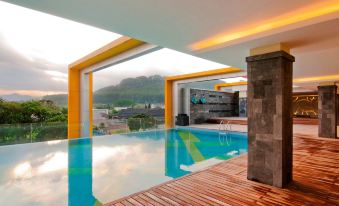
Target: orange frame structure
115,48
75,70
218,87
169,88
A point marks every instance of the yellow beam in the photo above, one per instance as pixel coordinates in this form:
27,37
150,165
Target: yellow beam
112,49
218,87
317,79
204,73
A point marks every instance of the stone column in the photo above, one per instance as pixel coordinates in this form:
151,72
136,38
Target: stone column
270,127
235,110
327,111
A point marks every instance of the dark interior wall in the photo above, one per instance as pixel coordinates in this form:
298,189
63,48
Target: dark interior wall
218,104
305,105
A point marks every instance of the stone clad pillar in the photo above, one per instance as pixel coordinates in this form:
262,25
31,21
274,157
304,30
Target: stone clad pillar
327,111
270,126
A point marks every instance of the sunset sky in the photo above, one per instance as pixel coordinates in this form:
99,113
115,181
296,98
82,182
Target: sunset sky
35,49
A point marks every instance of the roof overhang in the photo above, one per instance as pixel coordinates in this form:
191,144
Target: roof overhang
226,29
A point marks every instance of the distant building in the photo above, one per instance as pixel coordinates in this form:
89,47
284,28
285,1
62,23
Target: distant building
100,114
120,108
158,105
129,112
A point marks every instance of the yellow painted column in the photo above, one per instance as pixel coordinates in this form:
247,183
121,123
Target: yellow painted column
90,103
168,104
73,103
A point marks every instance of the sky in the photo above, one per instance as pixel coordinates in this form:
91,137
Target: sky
35,49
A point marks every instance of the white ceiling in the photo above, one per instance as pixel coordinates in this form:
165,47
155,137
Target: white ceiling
177,24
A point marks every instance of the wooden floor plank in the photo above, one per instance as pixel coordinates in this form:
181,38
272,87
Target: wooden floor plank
149,200
168,198
155,198
315,182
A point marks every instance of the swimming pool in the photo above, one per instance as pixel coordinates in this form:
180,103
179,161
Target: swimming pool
92,171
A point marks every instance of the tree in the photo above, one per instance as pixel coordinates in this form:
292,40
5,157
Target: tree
11,113
31,112
124,103
111,113
140,121
46,121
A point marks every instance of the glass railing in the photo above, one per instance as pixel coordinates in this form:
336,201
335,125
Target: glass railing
32,132
118,126
39,132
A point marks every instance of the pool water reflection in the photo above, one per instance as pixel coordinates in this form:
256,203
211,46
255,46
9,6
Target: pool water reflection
93,171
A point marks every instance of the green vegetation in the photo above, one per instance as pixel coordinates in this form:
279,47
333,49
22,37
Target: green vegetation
129,92
31,121
35,120
124,103
133,90
58,99
111,113
31,112
35,132
141,121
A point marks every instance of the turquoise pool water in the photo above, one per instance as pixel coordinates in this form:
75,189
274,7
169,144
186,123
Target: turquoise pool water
89,172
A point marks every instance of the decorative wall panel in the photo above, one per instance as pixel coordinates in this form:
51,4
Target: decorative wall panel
217,104
305,106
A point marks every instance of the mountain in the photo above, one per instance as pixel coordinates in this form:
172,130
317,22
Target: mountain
139,90
18,97
59,99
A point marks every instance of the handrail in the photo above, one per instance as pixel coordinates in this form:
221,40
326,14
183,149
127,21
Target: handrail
223,132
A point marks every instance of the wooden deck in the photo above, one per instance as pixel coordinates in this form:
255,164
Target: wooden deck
243,121
315,173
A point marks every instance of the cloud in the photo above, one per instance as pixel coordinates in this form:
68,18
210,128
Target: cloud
37,35
35,49
19,73
165,62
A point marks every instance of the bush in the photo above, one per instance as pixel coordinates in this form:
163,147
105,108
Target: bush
35,132
141,121
31,112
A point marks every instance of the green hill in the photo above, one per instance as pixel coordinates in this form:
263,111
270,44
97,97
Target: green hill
139,90
59,99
